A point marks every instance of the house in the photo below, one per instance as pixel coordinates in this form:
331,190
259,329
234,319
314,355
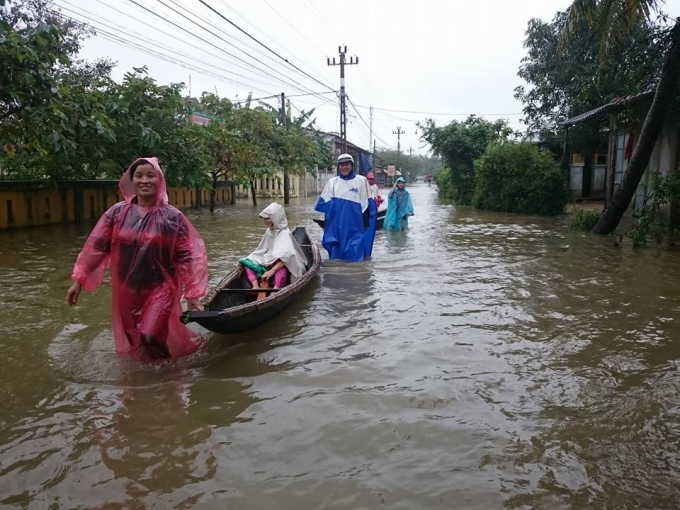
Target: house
363,159
624,118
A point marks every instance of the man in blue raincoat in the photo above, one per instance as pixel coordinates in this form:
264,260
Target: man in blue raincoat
350,214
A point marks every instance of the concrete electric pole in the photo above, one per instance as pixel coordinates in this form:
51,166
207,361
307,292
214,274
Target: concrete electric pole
399,132
343,62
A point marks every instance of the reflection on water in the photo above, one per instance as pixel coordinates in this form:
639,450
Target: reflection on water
477,361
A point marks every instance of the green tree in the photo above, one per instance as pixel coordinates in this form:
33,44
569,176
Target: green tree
252,156
150,119
460,143
53,119
612,21
567,79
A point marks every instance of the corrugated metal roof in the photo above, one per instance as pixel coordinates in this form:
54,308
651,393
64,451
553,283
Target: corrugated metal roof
619,102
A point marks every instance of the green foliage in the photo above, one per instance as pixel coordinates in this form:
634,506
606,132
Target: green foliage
659,191
150,119
460,143
518,177
569,78
64,119
51,110
583,220
442,177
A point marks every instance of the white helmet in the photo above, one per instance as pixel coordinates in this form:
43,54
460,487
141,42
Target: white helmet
346,158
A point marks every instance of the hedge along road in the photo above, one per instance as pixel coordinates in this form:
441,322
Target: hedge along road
481,360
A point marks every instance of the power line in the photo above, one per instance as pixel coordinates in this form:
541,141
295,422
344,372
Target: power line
240,41
229,35
215,46
174,60
291,95
293,27
300,86
263,45
316,12
364,121
157,44
435,113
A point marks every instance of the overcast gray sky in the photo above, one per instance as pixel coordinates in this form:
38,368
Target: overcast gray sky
436,56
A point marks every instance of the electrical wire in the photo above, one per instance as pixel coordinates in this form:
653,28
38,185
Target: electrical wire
156,44
215,46
442,114
263,45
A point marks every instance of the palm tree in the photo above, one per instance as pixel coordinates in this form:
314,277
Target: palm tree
612,21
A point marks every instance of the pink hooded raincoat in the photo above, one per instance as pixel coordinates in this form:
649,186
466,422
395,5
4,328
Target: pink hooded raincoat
152,252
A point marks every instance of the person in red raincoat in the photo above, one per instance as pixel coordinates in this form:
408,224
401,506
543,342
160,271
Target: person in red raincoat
152,251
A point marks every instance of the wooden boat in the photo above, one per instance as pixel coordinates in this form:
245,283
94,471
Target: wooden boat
233,307
381,219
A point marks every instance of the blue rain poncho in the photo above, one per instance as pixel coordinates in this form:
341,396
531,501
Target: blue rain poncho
344,201
399,207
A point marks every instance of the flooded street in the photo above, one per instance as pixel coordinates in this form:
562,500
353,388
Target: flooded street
481,360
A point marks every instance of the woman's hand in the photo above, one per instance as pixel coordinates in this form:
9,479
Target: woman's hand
194,305
72,294
267,275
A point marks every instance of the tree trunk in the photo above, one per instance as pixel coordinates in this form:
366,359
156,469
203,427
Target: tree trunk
286,187
213,191
651,128
252,192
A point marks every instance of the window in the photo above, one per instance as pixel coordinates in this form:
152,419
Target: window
621,163
577,158
47,208
10,215
600,158
641,194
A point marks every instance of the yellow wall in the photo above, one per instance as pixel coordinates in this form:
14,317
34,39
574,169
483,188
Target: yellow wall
29,206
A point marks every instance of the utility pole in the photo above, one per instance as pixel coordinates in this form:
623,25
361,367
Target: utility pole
399,132
343,62
286,184
410,151
370,139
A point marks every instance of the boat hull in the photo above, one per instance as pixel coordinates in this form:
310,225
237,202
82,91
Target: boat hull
230,306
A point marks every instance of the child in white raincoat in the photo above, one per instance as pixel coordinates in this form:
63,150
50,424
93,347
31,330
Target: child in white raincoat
278,255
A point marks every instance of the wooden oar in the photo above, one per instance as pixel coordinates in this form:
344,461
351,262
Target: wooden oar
264,285
250,290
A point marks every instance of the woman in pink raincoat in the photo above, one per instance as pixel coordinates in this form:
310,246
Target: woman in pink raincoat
152,251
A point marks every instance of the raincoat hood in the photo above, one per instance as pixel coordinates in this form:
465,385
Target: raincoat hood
277,214
401,179
128,191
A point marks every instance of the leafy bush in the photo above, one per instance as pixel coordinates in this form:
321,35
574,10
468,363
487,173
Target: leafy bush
442,177
584,220
518,177
659,191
